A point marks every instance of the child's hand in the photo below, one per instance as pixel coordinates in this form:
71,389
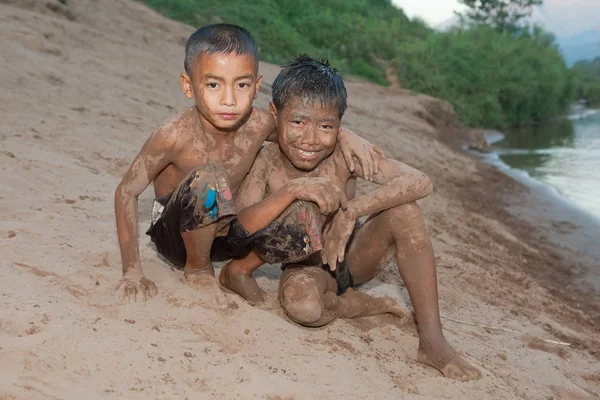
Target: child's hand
336,239
133,284
367,154
321,191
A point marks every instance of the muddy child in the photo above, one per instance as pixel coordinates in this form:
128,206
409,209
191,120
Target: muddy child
198,159
306,222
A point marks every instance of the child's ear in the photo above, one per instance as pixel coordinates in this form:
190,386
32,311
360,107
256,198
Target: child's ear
186,85
258,82
273,110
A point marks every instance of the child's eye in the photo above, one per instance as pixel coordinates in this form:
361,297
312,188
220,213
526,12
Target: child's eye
244,85
212,85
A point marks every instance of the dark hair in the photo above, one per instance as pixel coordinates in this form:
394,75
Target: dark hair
219,38
306,77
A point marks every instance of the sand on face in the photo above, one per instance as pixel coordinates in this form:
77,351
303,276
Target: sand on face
82,88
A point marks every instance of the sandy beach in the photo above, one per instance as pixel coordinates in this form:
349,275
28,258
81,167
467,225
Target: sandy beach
84,85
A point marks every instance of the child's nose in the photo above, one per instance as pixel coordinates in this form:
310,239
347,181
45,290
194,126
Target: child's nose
311,136
228,98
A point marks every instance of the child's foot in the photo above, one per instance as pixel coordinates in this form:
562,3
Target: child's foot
206,282
389,305
443,357
243,284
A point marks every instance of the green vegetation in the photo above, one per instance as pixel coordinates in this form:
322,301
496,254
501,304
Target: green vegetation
502,15
588,81
493,78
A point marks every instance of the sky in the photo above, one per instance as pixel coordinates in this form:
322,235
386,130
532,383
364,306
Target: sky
432,11
563,17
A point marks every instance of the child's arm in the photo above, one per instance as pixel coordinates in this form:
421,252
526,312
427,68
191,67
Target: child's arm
156,154
368,154
400,184
256,212
321,191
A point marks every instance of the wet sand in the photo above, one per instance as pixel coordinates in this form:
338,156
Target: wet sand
82,88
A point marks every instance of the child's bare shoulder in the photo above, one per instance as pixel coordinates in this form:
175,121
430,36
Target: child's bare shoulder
179,123
261,122
174,129
268,154
337,159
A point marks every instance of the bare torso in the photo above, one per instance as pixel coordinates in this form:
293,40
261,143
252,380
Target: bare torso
234,151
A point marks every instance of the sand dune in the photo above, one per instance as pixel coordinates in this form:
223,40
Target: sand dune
83,86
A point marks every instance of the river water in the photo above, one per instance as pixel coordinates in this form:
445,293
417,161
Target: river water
563,153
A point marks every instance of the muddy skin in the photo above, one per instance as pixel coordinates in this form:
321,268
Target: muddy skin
403,236
236,276
197,137
445,359
308,296
395,220
198,270
172,151
242,284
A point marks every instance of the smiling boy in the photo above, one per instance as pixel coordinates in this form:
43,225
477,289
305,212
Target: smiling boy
306,223
198,159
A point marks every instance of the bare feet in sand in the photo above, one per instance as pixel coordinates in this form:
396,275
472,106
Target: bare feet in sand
207,285
135,284
243,284
393,307
441,356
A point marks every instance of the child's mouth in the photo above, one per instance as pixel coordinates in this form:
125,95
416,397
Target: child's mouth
227,116
307,155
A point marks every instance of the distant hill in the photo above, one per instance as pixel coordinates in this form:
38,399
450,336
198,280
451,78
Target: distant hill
577,35
583,46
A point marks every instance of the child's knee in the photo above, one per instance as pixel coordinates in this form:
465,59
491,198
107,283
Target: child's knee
403,215
211,174
303,311
205,197
301,302
406,224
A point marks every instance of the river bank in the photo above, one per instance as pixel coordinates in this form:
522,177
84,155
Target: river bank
562,153
83,87
557,162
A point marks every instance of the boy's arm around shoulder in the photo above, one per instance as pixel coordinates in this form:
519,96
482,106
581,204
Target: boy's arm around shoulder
157,153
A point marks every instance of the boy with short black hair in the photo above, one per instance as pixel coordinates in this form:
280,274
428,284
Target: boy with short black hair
307,224
198,159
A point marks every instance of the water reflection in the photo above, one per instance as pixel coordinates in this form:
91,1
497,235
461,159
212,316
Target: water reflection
564,153
556,133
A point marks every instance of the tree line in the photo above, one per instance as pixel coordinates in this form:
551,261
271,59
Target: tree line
495,71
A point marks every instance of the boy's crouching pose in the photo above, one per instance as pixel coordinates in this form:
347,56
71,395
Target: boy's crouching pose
307,223
198,159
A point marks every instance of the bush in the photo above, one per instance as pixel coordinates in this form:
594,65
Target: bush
587,77
492,79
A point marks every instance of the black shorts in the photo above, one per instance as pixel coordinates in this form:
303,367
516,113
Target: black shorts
201,199
293,237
